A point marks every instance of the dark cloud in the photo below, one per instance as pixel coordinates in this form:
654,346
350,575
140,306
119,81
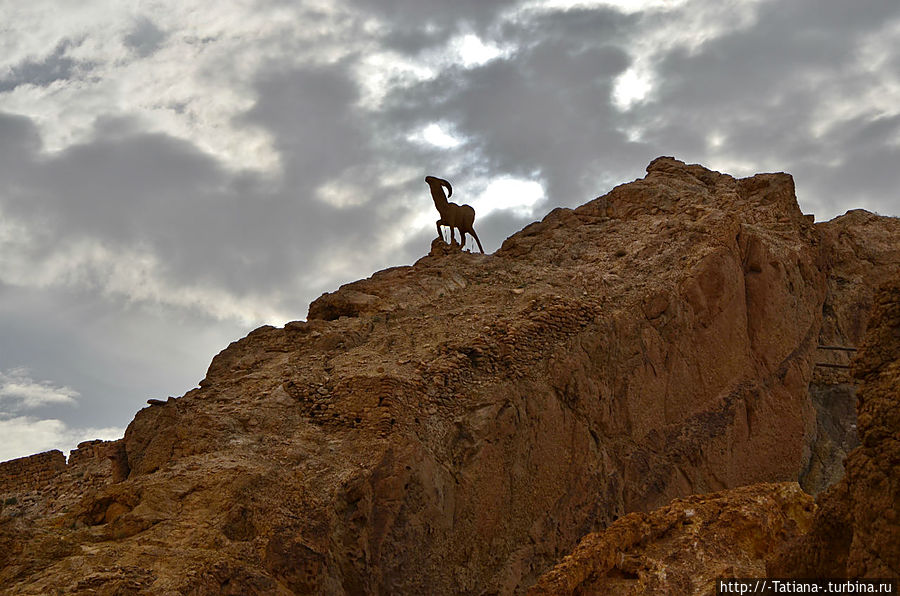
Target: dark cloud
405,16
19,143
543,111
145,38
310,113
765,90
864,177
51,68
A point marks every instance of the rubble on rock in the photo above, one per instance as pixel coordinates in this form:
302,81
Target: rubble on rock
684,547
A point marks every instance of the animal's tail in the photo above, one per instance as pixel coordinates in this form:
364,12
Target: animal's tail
475,236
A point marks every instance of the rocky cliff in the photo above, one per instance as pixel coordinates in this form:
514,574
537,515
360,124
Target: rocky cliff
856,530
773,530
862,253
683,547
457,425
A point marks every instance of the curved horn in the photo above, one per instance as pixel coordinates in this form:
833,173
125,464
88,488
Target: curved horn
449,188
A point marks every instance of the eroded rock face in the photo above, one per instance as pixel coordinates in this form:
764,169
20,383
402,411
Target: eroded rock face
457,425
856,532
684,547
861,251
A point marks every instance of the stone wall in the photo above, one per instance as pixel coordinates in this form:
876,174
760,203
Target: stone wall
89,451
31,472
94,461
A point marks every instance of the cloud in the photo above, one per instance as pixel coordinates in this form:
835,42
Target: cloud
25,435
49,69
123,217
772,95
18,387
145,38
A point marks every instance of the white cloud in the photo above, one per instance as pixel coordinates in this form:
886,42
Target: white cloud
631,87
438,135
513,194
17,386
472,50
193,86
343,193
26,435
380,72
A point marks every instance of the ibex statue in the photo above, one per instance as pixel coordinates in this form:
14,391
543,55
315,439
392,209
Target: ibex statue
452,215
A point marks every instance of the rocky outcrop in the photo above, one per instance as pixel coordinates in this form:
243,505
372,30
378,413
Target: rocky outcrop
764,530
455,426
684,547
856,531
861,253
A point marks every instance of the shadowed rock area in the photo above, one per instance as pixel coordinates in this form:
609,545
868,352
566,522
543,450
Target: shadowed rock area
862,252
767,530
856,530
456,426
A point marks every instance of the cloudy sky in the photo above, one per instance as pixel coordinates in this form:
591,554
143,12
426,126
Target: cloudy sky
175,173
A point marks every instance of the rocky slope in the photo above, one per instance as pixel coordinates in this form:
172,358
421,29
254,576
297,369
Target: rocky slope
772,530
683,547
856,531
456,426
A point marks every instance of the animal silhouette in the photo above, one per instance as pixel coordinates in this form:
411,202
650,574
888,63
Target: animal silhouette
454,216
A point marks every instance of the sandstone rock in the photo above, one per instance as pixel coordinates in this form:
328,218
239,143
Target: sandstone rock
860,252
346,303
31,472
430,430
856,532
684,547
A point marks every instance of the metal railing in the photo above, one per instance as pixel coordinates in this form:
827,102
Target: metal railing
837,348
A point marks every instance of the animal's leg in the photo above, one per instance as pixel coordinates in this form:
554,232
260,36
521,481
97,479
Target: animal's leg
440,232
475,236
453,235
462,239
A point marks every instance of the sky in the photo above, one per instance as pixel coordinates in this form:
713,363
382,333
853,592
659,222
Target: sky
174,174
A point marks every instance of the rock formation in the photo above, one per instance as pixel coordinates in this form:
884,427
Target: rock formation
856,531
32,472
762,530
862,253
457,425
684,547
